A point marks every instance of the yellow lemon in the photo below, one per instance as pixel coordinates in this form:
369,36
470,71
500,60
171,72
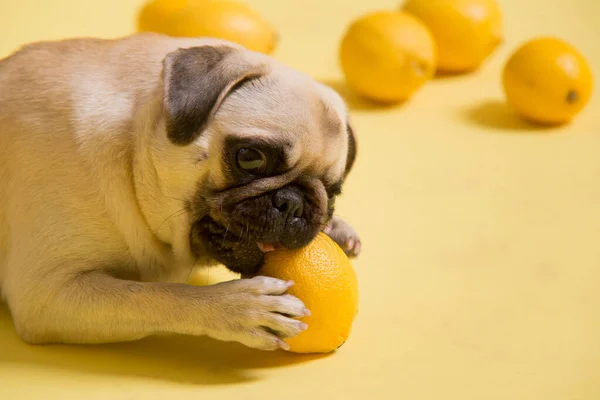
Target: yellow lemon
223,19
387,55
326,282
211,275
547,81
465,31
155,15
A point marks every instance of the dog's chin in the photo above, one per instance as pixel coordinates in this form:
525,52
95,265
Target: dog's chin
241,255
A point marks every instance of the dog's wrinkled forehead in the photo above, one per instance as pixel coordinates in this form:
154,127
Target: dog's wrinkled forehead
213,93
291,112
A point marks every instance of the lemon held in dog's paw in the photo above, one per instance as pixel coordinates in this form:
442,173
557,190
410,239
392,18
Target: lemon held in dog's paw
326,282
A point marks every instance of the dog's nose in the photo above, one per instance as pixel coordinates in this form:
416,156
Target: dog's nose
289,202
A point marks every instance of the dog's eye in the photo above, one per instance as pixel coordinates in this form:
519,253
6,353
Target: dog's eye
252,161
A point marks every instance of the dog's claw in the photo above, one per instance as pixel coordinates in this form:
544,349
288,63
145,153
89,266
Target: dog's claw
344,235
283,345
350,244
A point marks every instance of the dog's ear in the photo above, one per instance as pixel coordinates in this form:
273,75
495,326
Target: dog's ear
196,81
352,149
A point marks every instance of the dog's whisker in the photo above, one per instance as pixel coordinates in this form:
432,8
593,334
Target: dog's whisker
175,198
226,230
225,235
192,269
175,214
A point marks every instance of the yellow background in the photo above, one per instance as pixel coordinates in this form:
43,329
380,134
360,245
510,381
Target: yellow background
480,274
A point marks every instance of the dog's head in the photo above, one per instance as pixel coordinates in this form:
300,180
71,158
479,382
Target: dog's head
268,149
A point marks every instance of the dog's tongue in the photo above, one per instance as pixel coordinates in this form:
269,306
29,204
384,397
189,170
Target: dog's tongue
265,247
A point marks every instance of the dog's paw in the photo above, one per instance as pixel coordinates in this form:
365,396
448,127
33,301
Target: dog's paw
344,235
257,313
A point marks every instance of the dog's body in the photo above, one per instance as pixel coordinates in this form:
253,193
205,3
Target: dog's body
114,179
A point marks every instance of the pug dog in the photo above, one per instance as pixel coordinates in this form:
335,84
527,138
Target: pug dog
127,163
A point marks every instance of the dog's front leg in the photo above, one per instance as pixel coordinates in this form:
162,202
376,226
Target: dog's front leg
97,308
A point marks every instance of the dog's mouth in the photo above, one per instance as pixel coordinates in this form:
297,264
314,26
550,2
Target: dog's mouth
234,249
265,247
234,234
238,235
